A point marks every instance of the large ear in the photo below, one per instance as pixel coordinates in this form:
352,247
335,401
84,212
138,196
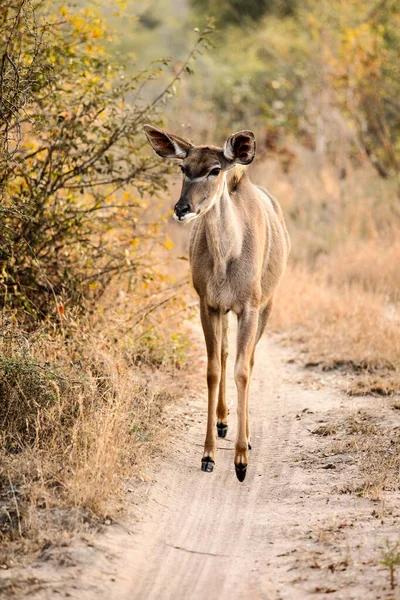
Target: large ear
166,144
240,147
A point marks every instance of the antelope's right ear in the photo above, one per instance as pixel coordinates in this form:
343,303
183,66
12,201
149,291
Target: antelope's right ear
166,144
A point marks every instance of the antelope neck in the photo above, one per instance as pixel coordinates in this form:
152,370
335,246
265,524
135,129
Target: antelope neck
223,231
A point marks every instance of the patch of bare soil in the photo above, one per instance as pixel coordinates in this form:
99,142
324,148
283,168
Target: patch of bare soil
306,523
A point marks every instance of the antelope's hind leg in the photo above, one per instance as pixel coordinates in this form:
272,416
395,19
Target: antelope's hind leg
247,330
262,323
222,407
212,326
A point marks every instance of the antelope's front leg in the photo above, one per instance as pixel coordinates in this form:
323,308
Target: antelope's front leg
247,329
211,322
222,407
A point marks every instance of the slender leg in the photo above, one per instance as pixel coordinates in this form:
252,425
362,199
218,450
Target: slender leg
211,322
262,323
247,331
222,407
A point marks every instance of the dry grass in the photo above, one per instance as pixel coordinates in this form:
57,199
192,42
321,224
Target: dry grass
325,430
339,325
374,385
82,412
376,448
341,292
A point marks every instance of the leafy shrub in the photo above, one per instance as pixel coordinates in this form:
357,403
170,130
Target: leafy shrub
73,217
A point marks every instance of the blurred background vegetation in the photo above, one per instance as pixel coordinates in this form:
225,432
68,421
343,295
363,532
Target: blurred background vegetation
91,299
79,80
296,68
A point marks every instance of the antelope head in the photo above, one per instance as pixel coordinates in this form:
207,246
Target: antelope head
203,168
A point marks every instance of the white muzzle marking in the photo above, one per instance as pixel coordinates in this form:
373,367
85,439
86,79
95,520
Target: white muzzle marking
187,217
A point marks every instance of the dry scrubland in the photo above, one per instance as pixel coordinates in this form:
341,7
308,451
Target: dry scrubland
82,413
93,394
339,297
338,304
91,313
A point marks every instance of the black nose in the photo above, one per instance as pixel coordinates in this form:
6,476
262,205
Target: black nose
181,209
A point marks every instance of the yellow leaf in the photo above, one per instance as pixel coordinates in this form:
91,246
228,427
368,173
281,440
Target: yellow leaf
168,242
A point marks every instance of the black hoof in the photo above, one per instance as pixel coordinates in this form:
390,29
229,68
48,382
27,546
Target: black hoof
207,464
249,445
222,430
241,471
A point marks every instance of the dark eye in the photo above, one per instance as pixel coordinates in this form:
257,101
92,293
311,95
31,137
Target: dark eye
215,171
183,169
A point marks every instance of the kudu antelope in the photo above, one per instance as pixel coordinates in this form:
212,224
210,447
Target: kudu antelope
238,251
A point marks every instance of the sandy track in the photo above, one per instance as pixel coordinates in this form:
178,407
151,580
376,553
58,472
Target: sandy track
215,535
285,533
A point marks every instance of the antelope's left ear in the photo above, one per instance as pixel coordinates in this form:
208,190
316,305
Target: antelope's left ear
240,147
166,144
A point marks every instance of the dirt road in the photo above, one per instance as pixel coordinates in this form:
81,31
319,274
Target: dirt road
287,532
